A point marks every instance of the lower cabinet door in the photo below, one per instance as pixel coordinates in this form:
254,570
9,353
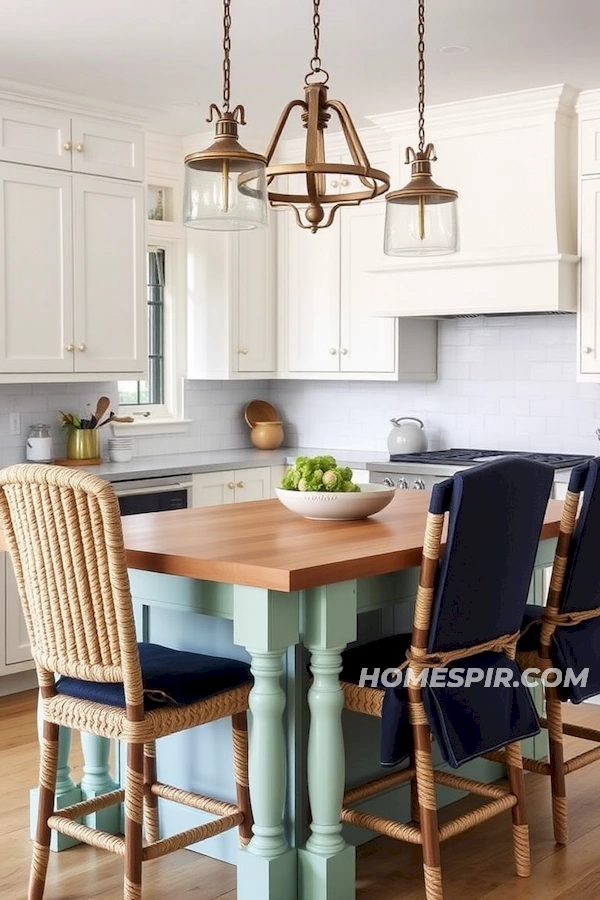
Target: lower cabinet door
216,488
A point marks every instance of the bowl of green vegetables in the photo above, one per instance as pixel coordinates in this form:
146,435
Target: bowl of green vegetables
315,487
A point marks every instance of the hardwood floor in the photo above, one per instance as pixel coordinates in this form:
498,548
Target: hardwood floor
476,865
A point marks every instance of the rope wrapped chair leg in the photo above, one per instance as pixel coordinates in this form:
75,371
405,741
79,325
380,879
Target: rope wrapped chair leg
63,529
447,605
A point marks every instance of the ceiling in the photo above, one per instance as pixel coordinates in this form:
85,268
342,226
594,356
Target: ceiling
167,56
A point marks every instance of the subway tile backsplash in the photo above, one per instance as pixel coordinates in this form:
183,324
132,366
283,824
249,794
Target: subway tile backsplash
504,383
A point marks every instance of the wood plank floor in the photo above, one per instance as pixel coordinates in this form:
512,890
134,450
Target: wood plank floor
476,865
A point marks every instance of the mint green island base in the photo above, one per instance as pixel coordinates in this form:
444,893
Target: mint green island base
302,751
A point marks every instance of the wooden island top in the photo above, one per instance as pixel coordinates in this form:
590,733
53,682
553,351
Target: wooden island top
262,544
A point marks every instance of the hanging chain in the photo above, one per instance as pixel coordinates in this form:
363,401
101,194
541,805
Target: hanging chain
226,50
315,63
421,49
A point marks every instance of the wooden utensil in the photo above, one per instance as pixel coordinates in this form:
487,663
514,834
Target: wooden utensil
101,408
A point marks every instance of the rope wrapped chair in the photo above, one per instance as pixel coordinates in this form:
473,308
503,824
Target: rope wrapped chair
469,608
565,635
63,530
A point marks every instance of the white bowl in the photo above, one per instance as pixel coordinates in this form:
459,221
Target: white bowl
371,498
119,455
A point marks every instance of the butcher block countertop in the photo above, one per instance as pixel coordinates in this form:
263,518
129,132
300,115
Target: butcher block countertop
263,544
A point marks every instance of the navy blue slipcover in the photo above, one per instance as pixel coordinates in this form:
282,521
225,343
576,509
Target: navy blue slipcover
169,677
577,647
495,517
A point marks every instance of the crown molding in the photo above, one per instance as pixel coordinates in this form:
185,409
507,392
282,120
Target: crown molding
20,92
483,112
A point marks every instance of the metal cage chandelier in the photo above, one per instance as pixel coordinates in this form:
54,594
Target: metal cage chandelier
420,218
225,185
364,182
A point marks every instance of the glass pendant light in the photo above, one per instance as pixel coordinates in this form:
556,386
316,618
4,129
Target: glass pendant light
225,185
361,180
420,218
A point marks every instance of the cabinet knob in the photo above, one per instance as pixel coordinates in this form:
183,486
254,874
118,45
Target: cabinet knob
69,348
345,182
240,484
343,351
243,350
81,347
333,351
79,148
231,485
334,183
587,349
67,145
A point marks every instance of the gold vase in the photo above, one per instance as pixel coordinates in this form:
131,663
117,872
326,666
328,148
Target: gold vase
83,443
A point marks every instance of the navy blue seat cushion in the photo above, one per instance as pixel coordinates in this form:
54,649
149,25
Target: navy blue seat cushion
465,721
170,677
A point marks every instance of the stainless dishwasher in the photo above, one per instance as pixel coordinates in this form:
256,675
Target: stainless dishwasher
153,494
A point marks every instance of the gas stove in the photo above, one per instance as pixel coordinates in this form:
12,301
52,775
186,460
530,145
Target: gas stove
420,471
457,456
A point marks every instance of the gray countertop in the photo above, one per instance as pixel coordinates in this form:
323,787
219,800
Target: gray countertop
217,460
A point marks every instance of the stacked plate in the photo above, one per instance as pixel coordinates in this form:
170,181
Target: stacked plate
120,449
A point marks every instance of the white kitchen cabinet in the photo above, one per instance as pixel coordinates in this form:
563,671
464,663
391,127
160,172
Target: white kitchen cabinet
42,136
15,655
231,486
72,292
325,302
589,307
231,304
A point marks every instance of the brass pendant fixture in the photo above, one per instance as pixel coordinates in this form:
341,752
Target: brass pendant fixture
225,185
420,218
363,181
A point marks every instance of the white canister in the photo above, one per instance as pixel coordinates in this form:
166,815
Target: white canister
39,444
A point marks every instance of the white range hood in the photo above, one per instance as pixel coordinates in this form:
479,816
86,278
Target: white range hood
512,158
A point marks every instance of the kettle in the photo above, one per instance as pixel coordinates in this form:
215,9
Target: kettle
407,436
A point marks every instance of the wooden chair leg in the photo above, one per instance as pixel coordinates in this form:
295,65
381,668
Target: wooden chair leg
151,824
432,871
414,799
134,813
557,765
514,769
239,731
47,783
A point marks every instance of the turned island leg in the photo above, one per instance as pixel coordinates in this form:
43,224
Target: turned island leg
266,623
327,864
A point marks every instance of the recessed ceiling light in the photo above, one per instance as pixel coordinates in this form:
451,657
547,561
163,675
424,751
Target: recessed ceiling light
454,49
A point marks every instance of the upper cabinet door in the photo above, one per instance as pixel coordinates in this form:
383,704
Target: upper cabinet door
35,136
36,287
109,276
368,344
107,148
254,325
589,319
309,286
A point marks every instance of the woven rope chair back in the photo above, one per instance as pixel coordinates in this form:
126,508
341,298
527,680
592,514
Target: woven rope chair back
63,530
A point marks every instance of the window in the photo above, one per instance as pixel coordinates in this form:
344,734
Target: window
157,403
152,391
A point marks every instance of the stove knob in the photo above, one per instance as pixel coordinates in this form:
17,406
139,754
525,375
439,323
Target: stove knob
388,482
402,484
419,485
